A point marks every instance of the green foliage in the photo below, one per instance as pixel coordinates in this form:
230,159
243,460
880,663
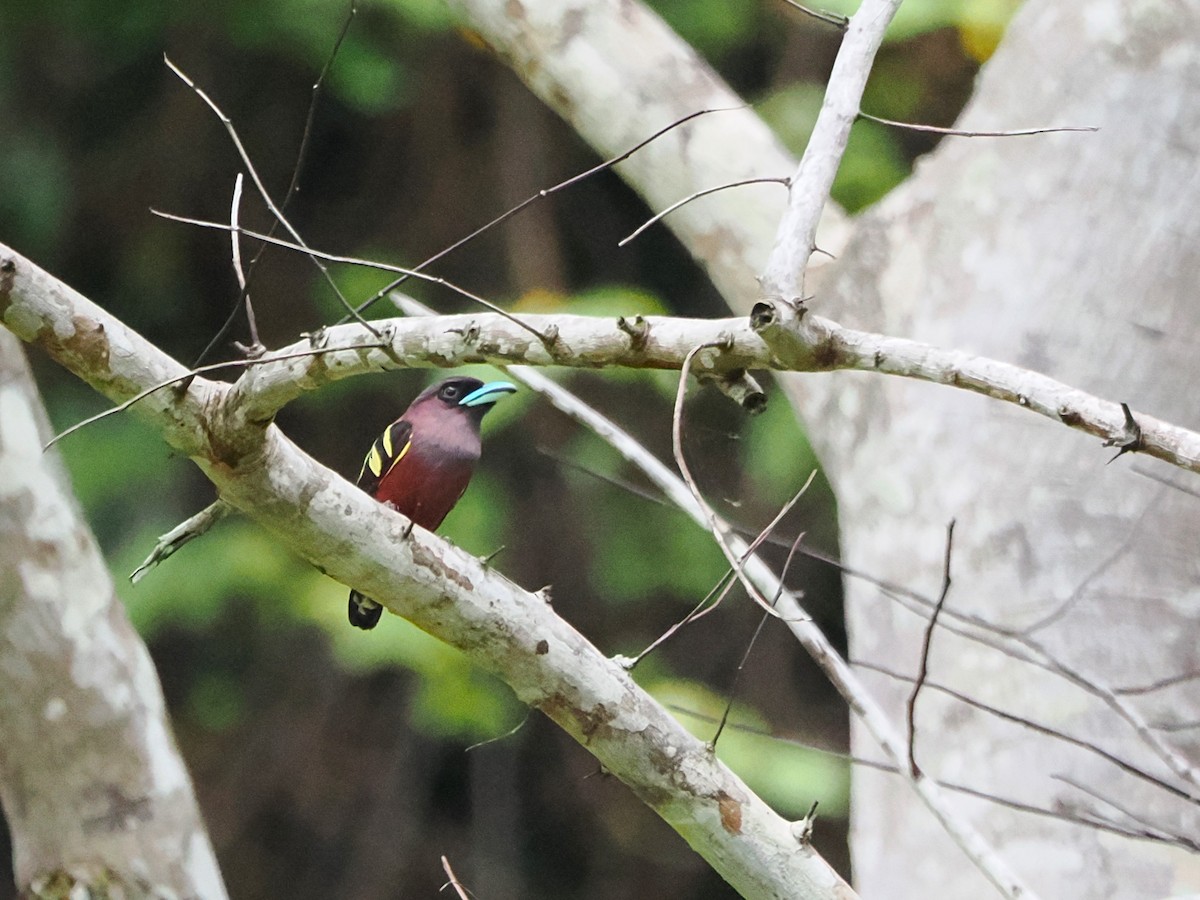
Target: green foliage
454,700
916,17
34,187
873,163
713,27
216,701
236,559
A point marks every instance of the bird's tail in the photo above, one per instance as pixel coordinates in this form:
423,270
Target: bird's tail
364,612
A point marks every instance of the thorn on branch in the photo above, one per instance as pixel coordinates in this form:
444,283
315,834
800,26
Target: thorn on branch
802,829
1130,438
470,334
638,330
1070,417
487,560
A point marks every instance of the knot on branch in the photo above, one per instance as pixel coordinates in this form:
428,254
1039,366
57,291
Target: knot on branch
785,327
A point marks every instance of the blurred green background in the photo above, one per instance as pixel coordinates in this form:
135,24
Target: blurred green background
332,763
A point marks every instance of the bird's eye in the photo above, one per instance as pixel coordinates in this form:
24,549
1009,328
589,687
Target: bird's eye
450,392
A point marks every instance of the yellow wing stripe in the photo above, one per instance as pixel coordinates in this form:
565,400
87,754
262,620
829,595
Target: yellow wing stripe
399,456
375,461
383,458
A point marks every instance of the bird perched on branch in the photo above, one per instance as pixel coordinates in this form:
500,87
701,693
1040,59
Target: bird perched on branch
422,463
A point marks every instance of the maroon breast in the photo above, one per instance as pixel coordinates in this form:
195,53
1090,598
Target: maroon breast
435,472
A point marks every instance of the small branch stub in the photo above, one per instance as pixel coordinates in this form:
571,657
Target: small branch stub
638,330
802,829
780,323
742,388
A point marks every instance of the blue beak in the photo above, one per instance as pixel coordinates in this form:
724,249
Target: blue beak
488,394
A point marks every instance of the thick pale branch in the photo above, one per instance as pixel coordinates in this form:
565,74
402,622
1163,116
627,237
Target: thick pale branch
654,342
777,336
798,340
441,589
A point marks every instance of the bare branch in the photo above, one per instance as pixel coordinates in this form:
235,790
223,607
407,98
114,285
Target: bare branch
520,207
1060,814
796,237
814,641
1122,764
453,882
804,341
258,184
828,18
545,46
181,534
926,645
657,217
935,129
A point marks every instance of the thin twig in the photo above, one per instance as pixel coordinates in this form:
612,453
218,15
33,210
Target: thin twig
192,373
453,882
1059,814
688,199
926,645
1125,811
796,235
715,526
357,261
292,190
762,622
1151,687
723,586
234,239
1054,733
957,132
545,192
256,347
839,22
262,190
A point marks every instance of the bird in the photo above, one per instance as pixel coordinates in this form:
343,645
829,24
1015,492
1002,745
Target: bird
420,466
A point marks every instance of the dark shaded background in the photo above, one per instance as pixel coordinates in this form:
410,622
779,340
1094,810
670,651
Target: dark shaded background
331,763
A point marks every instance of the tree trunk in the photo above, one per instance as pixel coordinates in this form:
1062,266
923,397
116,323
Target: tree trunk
1075,255
92,784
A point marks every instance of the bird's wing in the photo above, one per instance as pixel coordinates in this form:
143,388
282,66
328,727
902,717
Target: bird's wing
388,449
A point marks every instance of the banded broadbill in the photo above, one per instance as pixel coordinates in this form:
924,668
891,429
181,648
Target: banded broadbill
422,463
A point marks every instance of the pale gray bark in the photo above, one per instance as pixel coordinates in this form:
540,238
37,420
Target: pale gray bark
1076,256
93,787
